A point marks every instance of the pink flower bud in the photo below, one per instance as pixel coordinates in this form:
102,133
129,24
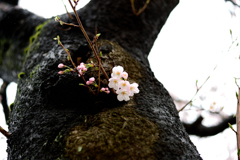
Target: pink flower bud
60,72
87,83
106,89
61,65
92,79
102,89
85,69
107,92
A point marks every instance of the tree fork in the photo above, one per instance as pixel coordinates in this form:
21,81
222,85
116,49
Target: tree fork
50,108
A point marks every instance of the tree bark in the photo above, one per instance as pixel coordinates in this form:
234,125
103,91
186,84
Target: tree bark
55,118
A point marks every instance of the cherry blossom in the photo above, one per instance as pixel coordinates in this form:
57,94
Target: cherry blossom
133,88
123,95
118,82
117,72
124,84
113,83
125,75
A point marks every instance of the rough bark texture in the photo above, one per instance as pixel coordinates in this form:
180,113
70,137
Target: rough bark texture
55,118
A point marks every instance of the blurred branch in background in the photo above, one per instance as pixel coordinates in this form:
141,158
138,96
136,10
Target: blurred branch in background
3,94
196,128
233,2
238,118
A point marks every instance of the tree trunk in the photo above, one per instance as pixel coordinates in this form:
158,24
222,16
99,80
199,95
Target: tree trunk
55,118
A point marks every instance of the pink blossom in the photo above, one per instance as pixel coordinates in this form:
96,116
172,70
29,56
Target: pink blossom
125,75
60,72
107,92
81,66
85,69
61,65
88,83
92,79
103,89
81,73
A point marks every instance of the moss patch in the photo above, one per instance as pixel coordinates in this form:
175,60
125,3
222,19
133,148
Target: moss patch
118,133
34,71
33,38
20,75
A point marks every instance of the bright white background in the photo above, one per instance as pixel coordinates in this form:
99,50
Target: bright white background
195,39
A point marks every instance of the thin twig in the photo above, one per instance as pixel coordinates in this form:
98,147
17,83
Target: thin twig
198,88
69,24
234,3
66,50
238,120
4,132
141,9
69,15
89,41
95,41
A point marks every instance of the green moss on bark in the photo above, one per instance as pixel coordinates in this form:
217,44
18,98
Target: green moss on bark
114,56
34,71
118,133
33,44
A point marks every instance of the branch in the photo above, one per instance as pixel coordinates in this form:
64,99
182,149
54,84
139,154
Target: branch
4,132
234,3
141,9
4,100
238,121
198,88
196,128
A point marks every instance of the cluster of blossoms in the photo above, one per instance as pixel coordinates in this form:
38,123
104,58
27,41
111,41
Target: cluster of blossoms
118,82
82,68
92,81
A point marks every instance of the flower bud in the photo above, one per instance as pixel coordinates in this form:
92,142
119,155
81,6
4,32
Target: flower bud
61,65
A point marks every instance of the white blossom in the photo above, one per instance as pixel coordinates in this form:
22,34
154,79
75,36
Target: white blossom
122,95
113,83
124,85
133,88
117,72
124,75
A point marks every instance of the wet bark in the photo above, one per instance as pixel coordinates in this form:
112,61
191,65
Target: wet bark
55,118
